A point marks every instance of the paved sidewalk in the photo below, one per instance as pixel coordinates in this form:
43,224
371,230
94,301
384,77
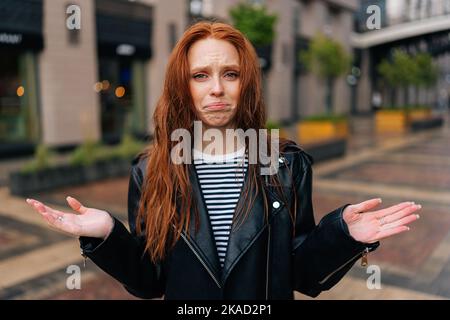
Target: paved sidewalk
414,265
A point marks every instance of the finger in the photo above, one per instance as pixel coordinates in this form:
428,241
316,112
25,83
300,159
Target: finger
402,213
393,209
60,221
43,209
76,205
390,232
366,205
60,224
401,222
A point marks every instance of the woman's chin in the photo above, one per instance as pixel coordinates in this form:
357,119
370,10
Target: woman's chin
219,123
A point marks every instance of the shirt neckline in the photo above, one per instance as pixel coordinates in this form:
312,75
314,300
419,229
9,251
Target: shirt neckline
220,157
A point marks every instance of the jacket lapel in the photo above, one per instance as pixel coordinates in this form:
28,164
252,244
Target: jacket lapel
203,240
242,238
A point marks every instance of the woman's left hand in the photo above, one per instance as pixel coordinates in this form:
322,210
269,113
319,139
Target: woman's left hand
371,226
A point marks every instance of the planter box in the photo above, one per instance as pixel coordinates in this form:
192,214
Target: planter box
283,133
399,121
429,123
325,150
395,121
317,131
419,114
24,184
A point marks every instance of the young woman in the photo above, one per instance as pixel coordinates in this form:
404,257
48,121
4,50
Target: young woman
216,227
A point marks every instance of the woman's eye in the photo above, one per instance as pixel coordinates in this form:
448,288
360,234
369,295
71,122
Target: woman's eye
232,75
199,76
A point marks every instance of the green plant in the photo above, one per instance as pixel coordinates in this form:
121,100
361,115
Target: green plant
85,154
399,73
419,107
254,22
328,59
106,153
273,125
129,147
409,107
327,117
90,152
426,72
42,160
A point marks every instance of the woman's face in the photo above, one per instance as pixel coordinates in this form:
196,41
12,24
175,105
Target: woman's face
214,82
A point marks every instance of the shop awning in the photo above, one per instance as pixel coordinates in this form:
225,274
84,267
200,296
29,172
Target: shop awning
124,28
21,24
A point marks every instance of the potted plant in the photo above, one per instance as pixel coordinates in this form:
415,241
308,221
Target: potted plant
398,73
327,59
258,26
401,72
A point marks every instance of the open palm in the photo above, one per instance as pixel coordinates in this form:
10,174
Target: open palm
87,222
371,226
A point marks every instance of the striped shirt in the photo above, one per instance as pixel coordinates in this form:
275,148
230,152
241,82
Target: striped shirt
221,179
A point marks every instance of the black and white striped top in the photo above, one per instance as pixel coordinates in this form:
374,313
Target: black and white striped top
221,179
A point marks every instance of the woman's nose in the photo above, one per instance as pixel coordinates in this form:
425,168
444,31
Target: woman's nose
217,87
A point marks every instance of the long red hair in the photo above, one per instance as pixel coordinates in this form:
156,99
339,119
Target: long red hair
166,188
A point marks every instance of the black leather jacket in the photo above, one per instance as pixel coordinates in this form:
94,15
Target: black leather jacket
263,261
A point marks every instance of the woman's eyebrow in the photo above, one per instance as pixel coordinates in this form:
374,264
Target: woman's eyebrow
207,67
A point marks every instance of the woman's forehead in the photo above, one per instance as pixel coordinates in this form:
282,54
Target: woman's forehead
212,52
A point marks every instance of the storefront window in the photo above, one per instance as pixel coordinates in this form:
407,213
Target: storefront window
20,41
10,91
18,99
122,97
124,35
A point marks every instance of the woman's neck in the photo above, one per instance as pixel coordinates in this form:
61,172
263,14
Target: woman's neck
223,145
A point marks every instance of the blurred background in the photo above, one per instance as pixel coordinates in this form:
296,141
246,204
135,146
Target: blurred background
362,85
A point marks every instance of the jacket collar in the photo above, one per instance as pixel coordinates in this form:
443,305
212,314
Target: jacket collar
240,238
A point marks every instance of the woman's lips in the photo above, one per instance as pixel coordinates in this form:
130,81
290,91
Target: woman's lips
217,106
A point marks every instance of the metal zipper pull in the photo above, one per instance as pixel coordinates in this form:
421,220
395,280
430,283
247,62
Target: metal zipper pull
84,260
364,261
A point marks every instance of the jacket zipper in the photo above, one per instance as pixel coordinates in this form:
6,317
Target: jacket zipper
267,266
84,258
364,261
201,261
364,256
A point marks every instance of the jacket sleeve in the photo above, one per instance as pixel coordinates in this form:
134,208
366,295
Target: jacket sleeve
322,254
122,254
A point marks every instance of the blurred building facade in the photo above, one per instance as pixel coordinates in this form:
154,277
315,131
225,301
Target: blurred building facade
290,91
61,87
66,86
413,26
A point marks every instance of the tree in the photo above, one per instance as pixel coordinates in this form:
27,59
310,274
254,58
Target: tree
255,23
400,72
426,72
327,59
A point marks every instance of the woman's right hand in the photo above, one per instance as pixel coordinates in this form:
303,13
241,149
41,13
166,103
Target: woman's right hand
89,222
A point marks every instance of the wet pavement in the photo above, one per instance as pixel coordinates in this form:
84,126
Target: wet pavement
408,167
